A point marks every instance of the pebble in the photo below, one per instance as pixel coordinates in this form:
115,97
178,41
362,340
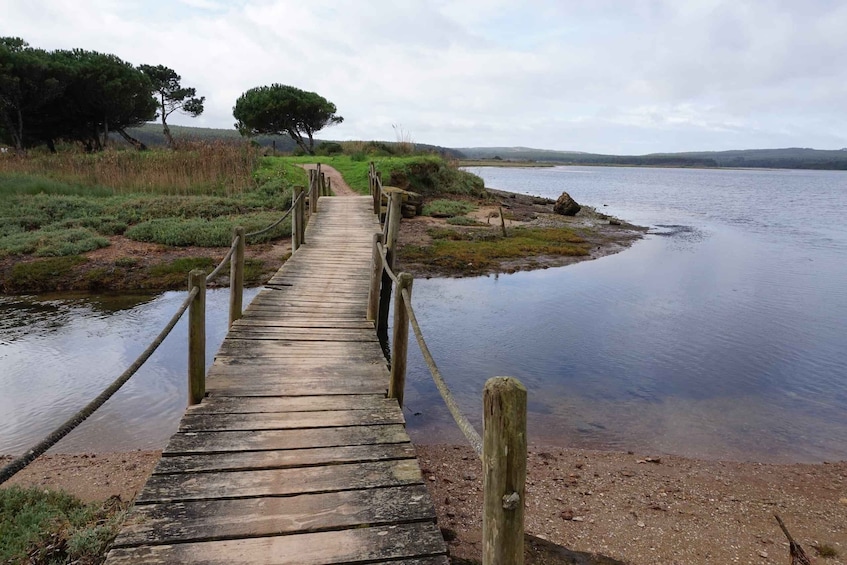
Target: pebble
763,554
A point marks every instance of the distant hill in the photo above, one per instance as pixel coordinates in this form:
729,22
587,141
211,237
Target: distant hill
151,135
790,158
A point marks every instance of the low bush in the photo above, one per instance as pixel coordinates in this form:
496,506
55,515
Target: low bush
447,208
45,526
39,274
52,243
201,232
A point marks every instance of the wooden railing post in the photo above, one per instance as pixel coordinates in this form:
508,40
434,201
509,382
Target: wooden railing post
504,471
328,186
376,272
313,192
297,220
392,223
236,277
197,338
378,205
400,343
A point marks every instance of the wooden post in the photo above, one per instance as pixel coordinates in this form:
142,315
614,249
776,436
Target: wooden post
504,471
301,206
328,186
296,220
197,338
503,222
236,278
400,343
392,225
378,204
376,272
323,185
313,193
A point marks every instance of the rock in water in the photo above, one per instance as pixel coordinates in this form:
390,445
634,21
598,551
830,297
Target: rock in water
566,206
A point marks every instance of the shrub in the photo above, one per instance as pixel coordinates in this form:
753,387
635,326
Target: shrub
216,232
329,148
463,221
35,275
52,243
447,208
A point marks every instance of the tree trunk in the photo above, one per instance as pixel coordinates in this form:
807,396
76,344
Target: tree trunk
167,131
131,140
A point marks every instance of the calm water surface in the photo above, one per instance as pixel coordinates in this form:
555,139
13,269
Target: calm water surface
58,353
721,335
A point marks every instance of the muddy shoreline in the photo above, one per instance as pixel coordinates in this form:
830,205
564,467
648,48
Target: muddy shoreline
640,508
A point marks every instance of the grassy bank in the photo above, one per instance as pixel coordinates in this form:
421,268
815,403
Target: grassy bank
44,526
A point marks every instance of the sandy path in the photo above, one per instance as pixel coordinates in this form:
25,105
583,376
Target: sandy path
339,187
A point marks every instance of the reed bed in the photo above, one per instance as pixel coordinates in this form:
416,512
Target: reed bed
218,167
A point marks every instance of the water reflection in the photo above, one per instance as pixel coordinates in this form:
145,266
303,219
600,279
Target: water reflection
58,353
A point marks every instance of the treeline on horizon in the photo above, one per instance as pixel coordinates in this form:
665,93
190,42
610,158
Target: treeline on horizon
789,158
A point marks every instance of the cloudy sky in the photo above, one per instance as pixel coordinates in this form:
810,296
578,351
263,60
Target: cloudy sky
624,76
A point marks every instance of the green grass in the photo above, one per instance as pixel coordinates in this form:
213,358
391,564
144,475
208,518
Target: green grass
447,208
43,526
429,175
38,274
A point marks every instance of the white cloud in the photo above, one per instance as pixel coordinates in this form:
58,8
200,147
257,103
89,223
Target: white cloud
607,76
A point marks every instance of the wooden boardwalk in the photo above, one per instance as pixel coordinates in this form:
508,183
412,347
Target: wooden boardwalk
296,456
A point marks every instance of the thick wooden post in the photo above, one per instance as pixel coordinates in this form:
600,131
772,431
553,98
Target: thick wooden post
400,343
503,222
197,338
236,278
296,229
376,272
378,205
313,193
392,228
504,471
328,186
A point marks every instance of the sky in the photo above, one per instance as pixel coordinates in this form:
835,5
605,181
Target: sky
603,76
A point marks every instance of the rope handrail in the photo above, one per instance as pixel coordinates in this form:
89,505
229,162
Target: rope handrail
217,270
279,221
383,253
21,462
464,424
224,261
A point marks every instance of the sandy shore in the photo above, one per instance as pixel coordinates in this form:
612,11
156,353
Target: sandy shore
634,507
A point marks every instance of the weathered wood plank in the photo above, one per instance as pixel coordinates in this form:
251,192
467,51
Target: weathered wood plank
181,522
284,458
402,543
290,421
222,442
279,482
241,405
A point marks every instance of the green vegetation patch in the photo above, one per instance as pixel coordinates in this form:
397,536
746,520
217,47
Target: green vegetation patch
44,526
201,232
447,208
51,243
480,250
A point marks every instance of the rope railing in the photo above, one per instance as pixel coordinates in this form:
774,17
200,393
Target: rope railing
279,221
194,303
217,270
502,446
464,424
21,462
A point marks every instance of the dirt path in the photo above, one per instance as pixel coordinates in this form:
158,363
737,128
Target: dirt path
339,187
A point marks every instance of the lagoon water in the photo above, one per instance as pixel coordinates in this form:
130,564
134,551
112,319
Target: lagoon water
723,334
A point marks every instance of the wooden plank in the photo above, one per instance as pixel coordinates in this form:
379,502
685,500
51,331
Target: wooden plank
305,334
222,442
279,482
240,405
290,421
401,543
282,459
182,522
